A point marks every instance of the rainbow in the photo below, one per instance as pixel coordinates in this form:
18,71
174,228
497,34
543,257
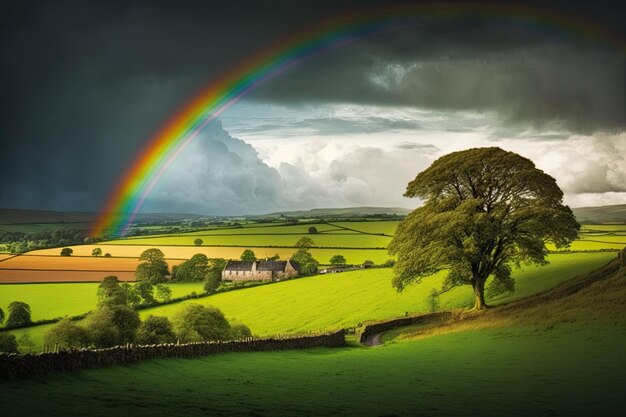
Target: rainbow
178,133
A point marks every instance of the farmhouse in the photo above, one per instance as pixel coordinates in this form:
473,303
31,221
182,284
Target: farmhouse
260,270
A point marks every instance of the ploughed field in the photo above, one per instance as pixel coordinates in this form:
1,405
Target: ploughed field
331,301
356,241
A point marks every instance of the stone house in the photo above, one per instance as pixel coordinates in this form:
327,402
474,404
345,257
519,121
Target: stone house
260,270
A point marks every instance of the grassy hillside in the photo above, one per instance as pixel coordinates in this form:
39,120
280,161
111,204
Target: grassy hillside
559,361
603,214
346,299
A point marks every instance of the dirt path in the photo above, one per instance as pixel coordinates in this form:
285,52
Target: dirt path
374,339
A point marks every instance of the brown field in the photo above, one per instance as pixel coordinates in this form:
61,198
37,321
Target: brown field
31,268
5,256
13,276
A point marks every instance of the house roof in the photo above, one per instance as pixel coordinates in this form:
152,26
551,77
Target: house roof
275,266
238,266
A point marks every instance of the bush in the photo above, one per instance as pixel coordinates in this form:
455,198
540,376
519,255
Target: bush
8,343
239,331
197,323
155,330
67,252
112,325
198,242
67,335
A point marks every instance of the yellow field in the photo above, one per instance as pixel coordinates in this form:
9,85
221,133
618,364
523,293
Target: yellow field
20,276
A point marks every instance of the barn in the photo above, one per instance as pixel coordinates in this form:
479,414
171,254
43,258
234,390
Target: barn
260,270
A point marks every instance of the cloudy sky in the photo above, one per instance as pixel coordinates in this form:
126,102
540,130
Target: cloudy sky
86,83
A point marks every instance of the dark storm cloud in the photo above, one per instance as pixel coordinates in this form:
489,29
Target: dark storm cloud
85,84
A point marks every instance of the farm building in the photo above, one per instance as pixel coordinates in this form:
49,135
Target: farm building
260,270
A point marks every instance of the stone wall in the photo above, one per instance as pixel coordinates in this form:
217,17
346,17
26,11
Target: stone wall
15,366
377,327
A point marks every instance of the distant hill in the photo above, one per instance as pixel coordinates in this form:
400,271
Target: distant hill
341,212
603,214
20,216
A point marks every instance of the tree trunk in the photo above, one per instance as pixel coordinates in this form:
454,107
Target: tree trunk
479,294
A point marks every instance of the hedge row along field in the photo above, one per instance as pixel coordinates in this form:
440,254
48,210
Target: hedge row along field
346,299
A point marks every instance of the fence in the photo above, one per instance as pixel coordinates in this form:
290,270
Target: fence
14,366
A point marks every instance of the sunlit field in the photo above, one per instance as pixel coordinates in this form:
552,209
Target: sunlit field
349,298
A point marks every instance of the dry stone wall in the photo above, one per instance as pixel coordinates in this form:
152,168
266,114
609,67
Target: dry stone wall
14,366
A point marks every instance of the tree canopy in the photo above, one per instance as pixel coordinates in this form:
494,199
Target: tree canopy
197,323
338,260
305,242
248,255
193,269
19,314
484,209
154,268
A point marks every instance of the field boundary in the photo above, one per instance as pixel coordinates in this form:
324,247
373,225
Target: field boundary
30,366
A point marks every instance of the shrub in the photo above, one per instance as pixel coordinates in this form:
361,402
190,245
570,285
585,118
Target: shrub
67,335
8,343
197,323
239,331
155,330
67,252
198,242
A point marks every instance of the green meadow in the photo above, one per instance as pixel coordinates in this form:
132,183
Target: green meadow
346,299
48,301
357,240
569,370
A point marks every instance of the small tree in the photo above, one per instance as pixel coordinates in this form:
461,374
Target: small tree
112,325
313,230
213,276
197,323
67,335
67,252
8,343
96,252
107,255
305,242
145,290
248,255
338,261
163,292
193,269
433,301
155,330
19,314
110,292
198,242
154,268
304,257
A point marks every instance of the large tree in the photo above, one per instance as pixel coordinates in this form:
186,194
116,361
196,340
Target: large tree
484,210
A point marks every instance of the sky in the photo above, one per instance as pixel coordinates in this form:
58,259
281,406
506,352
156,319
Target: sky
86,83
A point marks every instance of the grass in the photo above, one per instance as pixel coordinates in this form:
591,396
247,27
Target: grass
346,299
572,370
49,301
356,240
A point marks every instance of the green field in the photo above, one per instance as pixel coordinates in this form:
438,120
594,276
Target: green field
48,301
570,370
346,299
